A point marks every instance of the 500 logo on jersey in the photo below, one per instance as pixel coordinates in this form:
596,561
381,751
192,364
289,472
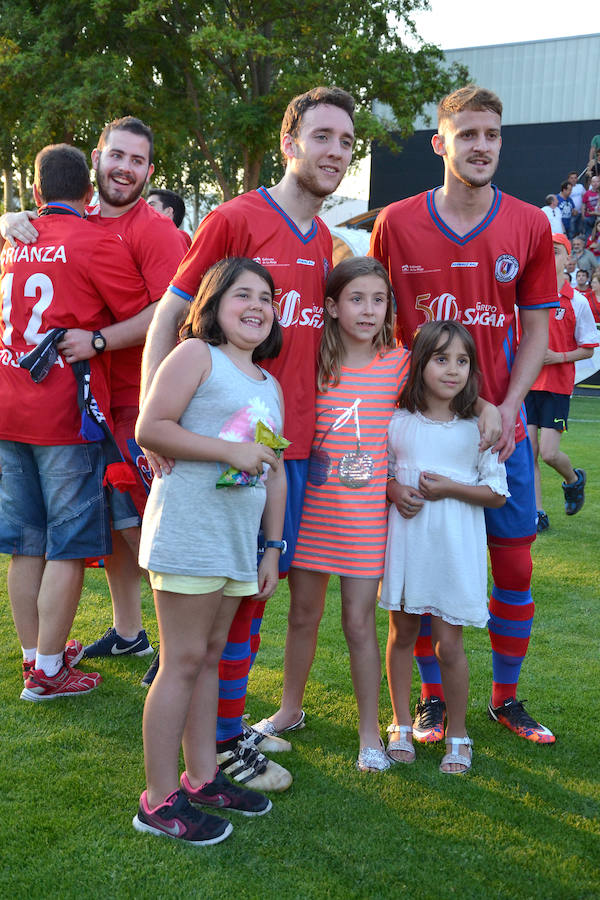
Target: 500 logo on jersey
445,306
289,312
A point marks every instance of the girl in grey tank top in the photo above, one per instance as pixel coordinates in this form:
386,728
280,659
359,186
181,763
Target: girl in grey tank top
202,411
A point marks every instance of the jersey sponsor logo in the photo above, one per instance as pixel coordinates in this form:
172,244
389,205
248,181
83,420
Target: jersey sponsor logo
268,262
287,307
416,270
445,306
305,262
506,267
559,313
464,265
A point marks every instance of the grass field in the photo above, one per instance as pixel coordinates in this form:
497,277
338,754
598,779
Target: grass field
523,824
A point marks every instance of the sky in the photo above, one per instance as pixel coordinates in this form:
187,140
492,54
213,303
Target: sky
463,23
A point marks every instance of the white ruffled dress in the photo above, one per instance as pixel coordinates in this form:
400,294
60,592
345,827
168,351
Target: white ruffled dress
436,562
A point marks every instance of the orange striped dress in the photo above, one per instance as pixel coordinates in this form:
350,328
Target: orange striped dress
343,528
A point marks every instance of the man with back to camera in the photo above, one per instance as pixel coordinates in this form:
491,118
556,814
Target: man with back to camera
468,252
123,164
279,228
52,498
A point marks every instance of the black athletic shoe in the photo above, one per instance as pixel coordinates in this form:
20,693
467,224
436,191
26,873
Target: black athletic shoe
543,523
177,818
574,493
428,725
152,670
514,716
222,794
112,644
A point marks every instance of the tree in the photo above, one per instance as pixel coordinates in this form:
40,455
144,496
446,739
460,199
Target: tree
212,77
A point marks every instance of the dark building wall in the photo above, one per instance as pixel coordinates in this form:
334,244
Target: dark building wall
534,160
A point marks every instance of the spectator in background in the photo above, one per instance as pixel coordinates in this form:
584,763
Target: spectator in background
171,205
593,295
594,148
566,207
577,193
582,280
552,212
590,206
584,259
571,270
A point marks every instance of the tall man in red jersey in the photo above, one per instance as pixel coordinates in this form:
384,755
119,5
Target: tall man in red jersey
52,507
123,164
466,251
280,229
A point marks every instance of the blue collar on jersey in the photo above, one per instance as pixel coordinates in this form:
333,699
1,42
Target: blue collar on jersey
305,238
452,235
59,208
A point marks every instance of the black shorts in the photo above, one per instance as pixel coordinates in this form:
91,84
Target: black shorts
547,409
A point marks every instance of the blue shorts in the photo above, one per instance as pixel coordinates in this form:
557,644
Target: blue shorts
296,471
52,501
547,409
514,523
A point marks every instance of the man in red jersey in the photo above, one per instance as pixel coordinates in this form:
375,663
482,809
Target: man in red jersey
279,228
572,336
466,251
53,510
123,164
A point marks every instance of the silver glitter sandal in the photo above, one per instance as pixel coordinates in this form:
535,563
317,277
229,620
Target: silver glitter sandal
455,757
265,726
373,759
402,744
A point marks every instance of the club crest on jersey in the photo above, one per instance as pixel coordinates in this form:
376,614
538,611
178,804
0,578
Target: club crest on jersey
559,313
326,267
506,267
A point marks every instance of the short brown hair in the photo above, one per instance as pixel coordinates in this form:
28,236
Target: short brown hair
61,173
131,124
201,321
333,96
471,96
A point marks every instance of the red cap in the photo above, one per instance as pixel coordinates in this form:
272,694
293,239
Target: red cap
564,240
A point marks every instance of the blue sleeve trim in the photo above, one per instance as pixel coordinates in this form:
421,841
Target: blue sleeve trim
550,304
188,297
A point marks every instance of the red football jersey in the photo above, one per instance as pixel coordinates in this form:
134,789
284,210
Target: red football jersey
254,225
157,247
571,325
74,276
477,278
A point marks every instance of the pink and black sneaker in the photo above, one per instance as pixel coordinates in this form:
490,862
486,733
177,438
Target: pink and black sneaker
176,818
220,793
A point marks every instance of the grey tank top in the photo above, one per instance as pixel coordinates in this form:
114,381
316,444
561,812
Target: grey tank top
190,527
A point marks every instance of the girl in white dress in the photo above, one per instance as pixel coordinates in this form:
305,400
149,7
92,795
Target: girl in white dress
436,560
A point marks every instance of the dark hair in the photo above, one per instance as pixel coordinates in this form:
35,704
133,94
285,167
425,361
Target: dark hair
128,123
565,185
202,321
331,350
333,96
61,173
170,198
435,337
472,97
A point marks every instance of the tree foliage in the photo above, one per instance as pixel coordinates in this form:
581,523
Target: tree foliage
212,78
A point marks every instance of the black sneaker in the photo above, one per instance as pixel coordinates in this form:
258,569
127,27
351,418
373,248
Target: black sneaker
574,493
542,523
514,716
112,644
178,819
222,794
428,725
152,670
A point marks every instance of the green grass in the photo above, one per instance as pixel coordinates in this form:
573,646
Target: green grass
524,823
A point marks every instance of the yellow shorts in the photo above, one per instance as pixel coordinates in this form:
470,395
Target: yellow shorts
199,584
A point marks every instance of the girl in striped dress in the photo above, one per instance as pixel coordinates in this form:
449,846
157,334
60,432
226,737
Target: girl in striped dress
344,518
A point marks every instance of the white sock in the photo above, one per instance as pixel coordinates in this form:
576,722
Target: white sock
50,664
29,655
